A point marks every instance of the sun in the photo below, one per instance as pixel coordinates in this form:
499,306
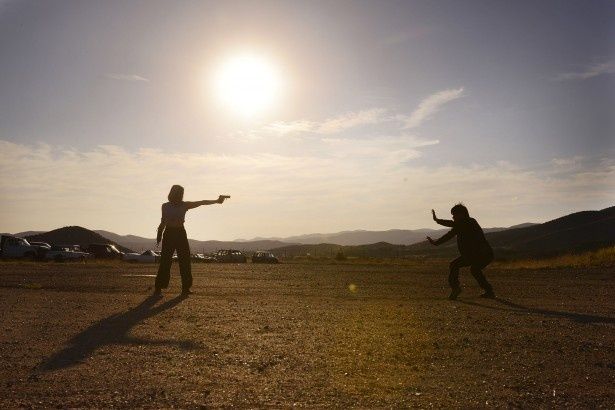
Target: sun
248,84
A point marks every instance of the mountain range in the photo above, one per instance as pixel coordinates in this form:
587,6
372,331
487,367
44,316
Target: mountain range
362,237
575,232
580,231
345,238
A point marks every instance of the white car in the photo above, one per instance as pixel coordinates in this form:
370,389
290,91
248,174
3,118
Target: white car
149,256
61,253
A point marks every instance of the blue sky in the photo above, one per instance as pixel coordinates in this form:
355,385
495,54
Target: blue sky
388,109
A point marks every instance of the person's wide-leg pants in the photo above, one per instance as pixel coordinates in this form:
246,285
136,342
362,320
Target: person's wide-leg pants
174,239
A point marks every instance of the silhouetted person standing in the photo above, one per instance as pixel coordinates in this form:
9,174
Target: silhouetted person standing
175,238
473,246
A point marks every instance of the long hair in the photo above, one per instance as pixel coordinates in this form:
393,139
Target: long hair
460,209
176,194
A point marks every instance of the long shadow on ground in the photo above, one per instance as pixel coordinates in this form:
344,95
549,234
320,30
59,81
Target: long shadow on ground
112,330
514,307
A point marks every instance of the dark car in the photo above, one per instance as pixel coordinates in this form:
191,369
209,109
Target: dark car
41,249
105,251
264,257
230,256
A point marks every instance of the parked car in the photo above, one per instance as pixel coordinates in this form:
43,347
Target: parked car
230,256
105,251
202,258
14,247
149,256
61,253
41,244
42,248
264,257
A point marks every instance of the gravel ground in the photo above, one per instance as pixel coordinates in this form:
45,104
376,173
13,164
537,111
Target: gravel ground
308,335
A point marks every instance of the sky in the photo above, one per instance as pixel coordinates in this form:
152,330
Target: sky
383,110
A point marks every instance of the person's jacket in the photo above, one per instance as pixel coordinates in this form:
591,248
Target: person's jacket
471,240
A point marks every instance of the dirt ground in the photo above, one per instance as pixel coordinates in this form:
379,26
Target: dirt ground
308,335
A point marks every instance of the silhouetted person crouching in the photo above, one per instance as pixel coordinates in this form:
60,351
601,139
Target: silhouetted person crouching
473,246
175,238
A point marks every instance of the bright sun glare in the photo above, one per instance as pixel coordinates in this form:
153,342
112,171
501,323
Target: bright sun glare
248,84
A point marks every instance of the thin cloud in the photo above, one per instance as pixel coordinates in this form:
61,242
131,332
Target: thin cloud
591,71
426,110
351,120
329,126
356,179
568,161
431,105
126,77
290,127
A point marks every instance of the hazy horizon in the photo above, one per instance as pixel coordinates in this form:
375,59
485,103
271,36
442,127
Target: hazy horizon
365,115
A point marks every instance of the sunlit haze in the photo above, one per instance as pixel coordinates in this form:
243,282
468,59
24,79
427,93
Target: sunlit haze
247,84
315,116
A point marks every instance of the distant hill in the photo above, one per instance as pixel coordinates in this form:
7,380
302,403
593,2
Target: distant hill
362,237
580,231
73,235
28,233
576,232
140,243
374,250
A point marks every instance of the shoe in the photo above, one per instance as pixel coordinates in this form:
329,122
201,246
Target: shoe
488,295
157,293
186,293
454,294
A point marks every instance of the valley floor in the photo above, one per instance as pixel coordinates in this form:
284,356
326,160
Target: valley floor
313,335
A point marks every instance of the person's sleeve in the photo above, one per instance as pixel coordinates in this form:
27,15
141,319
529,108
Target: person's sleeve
445,222
447,237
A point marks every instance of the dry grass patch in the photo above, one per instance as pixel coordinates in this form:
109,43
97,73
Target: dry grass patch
601,258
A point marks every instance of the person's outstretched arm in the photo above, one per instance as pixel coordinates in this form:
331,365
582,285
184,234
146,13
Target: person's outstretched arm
447,236
190,205
443,222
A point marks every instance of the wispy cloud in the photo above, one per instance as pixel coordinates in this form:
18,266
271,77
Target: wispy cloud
351,120
126,77
290,127
568,161
282,194
590,71
431,105
331,125
355,119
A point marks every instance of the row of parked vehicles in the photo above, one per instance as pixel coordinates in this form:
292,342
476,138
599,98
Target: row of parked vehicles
221,256
15,247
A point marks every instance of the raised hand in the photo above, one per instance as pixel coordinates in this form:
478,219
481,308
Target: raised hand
433,214
221,198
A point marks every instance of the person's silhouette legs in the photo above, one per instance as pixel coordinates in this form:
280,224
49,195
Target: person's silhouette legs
453,277
185,269
477,271
166,259
476,268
